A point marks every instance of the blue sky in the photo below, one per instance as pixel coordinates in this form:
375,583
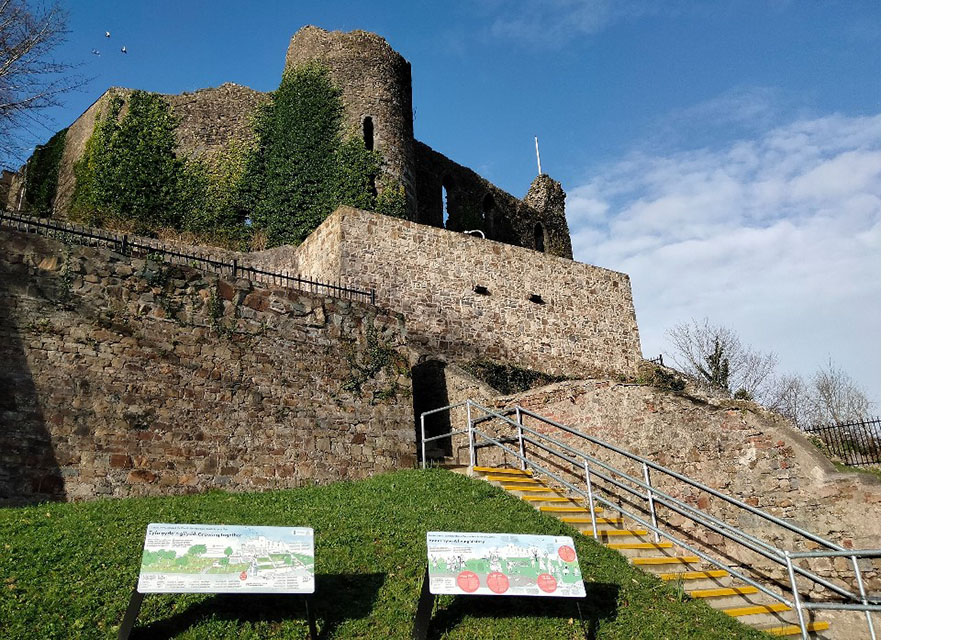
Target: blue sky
724,154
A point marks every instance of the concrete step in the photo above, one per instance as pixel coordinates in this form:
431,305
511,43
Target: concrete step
794,630
549,498
565,509
731,597
605,534
516,480
773,614
641,549
502,471
666,564
530,488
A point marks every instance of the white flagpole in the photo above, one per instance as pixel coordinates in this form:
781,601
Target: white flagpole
536,143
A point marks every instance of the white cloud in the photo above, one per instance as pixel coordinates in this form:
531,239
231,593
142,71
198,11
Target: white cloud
776,236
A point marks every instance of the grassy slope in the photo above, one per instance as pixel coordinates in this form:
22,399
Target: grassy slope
67,569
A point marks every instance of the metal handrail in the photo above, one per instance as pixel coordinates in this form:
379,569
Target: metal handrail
690,481
571,455
741,537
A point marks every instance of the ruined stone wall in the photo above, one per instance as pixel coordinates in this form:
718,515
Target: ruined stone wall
475,203
132,377
736,448
211,120
376,83
583,321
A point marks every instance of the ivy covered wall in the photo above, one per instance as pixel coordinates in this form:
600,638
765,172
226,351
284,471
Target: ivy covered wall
249,194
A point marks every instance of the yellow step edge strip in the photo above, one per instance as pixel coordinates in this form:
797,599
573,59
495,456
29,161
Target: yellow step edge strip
516,479
792,629
656,561
550,499
523,487
694,575
570,509
578,520
639,545
776,607
620,532
719,593
504,471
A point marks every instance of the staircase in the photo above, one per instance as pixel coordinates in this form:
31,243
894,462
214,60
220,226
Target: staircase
764,579
671,564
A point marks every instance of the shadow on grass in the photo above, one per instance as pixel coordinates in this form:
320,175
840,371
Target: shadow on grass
337,598
600,604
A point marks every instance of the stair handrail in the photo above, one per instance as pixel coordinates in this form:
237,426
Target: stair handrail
679,476
784,557
719,526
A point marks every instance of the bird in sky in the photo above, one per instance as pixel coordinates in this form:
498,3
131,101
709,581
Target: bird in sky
123,49
95,52
108,34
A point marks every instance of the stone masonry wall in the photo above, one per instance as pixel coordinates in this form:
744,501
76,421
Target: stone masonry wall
734,447
584,325
131,377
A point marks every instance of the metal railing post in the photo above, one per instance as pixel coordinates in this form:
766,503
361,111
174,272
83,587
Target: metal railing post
650,504
863,595
796,596
473,449
593,514
523,453
423,441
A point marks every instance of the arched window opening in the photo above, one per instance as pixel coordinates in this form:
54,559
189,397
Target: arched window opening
538,237
487,208
368,133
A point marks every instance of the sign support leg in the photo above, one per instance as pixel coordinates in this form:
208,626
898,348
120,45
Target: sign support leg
311,622
130,617
421,623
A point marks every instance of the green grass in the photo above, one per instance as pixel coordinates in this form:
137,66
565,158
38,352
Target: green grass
67,570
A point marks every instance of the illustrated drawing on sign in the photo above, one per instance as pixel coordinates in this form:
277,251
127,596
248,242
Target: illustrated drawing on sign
503,564
197,558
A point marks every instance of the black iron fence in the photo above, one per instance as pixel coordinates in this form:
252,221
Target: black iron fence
856,443
130,245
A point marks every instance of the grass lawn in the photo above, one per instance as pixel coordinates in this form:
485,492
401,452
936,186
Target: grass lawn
67,570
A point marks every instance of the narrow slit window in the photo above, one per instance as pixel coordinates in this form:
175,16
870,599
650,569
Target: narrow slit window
368,133
538,237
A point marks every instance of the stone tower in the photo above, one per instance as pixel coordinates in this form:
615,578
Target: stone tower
377,95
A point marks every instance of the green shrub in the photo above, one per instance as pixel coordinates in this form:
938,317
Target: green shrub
42,174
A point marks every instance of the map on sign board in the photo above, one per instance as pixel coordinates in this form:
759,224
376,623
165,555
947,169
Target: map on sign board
201,558
492,564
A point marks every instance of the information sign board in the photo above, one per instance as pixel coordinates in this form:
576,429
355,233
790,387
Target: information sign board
503,564
201,558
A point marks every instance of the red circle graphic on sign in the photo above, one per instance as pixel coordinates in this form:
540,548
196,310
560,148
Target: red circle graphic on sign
498,582
468,581
243,575
547,582
566,553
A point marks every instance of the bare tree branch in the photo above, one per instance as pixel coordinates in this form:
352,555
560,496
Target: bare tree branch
31,80
714,353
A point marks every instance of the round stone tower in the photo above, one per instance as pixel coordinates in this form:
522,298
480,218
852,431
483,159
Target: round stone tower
377,96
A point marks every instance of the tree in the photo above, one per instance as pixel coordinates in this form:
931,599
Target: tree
836,398
30,79
714,354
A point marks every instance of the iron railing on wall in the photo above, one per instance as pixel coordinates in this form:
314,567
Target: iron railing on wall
856,443
130,245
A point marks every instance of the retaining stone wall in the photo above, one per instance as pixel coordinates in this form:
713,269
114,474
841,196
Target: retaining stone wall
734,447
585,325
130,377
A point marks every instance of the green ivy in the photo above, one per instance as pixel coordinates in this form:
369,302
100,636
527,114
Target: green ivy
302,169
298,170
43,173
129,169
